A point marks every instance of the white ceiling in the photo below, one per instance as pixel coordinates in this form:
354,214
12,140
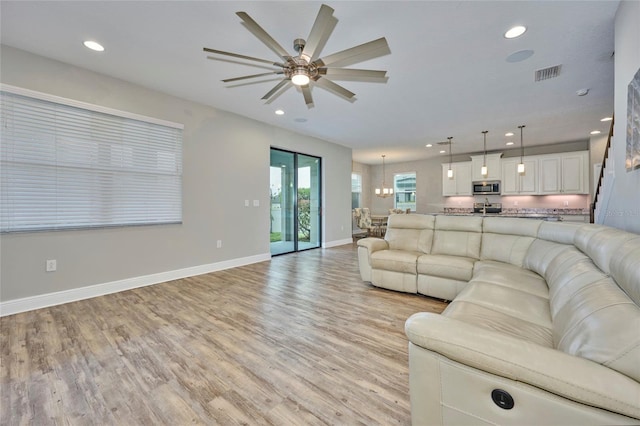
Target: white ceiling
447,71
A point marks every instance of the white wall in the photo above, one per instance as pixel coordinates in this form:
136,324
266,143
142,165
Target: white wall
623,210
225,161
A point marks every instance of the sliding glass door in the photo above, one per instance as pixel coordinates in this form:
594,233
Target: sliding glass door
295,202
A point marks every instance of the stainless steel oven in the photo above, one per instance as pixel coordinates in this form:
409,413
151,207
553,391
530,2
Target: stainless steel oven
486,187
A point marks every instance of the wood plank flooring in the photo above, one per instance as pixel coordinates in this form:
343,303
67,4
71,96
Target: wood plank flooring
296,340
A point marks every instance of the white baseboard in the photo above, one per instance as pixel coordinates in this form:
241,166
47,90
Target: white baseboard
329,244
16,306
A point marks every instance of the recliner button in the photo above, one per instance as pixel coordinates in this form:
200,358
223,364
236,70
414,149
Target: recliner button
502,399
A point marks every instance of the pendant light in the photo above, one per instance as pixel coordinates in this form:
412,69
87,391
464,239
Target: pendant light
483,171
384,192
521,165
450,172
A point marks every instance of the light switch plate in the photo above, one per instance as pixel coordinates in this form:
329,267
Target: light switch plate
256,203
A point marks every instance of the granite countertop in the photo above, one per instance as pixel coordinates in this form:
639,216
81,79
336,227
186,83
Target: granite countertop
514,212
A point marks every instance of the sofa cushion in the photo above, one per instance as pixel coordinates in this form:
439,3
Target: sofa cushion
600,243
511,276
566,274
395,260
601,323
457,236
491,319
559,232
541,253
509,301
411,232
625,268
505,248
511,226
454,267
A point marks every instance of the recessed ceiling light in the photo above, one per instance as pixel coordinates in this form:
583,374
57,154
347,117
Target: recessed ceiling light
508,134
516,31
279,112
595,132
429,145
509,143
606,119
93,46
300,120
443,152
582,92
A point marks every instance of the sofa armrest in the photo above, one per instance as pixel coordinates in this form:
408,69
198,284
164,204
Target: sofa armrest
572,377
373,244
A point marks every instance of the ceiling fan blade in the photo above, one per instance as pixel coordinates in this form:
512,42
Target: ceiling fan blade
306,92
276,88
236,55
228,80
352,73
335,88
263,36
321,29
377,47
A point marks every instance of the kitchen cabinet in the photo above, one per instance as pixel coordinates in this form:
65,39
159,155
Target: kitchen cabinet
494,170
514,183
564,173
460,184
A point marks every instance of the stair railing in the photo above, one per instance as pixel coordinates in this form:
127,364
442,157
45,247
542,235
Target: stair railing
601,176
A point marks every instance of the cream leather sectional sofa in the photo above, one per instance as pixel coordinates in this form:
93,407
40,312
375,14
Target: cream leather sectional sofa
543,325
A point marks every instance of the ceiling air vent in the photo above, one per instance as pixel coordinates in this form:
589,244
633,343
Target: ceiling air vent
547,73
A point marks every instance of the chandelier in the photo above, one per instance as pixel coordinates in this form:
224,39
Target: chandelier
384,191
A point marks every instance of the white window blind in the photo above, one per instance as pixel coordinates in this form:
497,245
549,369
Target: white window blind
63,166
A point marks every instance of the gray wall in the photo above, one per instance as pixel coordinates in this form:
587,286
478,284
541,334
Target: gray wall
623,210
225,161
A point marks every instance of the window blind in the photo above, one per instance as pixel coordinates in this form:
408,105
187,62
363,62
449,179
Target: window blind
64,166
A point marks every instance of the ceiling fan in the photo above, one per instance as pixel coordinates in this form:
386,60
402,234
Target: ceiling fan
306,68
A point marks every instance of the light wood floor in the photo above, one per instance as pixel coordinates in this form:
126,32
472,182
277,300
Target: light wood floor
296,340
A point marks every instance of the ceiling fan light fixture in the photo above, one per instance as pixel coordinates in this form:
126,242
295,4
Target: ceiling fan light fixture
300,77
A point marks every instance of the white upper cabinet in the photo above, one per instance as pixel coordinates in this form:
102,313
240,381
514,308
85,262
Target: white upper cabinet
514,183
564,173
494,169
460,184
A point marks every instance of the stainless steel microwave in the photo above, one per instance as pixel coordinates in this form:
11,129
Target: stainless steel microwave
486,187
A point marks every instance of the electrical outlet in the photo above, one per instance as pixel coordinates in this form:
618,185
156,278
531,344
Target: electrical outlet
51,265
246,203
219,244
256,203
515,203
566,203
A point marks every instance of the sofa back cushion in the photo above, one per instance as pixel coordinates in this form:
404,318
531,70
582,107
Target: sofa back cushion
592,317
507,239
559,232
601,323
457,236
600,243
625,268
412,232
541,253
